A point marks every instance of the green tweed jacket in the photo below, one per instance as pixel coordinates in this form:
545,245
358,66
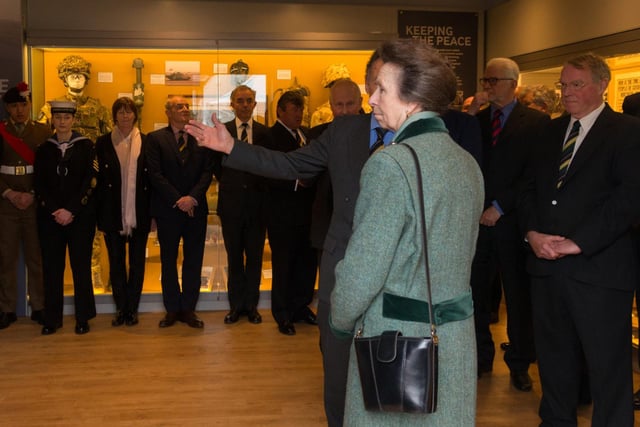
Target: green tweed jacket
385,256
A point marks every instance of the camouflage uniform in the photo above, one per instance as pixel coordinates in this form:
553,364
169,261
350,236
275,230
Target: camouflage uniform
92,119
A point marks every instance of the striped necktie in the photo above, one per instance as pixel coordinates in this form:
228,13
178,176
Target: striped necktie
182,141
244,136
496,126
379,140
296,135
567,152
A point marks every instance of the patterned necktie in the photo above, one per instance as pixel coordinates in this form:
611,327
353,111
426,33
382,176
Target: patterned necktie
182,141
19,128
496,126
296,135
567,152
379,140
244,136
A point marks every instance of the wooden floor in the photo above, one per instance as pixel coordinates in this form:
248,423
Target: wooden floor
243,374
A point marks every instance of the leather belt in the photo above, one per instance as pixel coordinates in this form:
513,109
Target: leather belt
16,170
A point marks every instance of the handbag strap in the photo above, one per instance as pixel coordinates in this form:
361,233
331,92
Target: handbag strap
434,336
424,240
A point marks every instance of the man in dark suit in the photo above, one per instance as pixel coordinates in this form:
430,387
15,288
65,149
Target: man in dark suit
180,173
289,203
241,200
509,132
631,106
578,209
344,99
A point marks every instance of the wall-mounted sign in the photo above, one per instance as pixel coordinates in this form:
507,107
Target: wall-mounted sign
454,35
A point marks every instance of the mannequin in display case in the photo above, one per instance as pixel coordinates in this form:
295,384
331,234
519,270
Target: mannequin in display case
92,118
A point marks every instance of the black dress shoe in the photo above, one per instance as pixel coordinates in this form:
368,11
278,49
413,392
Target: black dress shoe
504,346
38,316
7,318
190,318
310,318
521,380
636,400
286,328
48,330
82,328
254,316
232,316
131,319
169,319
118,319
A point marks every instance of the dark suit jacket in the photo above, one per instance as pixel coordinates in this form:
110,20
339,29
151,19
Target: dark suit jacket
596,205
465,130
171,178
288,203
109,196
322,207
342,149
504,165
235,185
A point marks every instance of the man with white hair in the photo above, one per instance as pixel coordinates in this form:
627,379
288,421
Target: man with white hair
509,132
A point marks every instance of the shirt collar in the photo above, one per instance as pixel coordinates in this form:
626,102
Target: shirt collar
506,110
240,122
388,137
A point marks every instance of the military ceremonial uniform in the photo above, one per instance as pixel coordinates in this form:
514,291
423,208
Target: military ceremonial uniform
19,226
67,182
92,119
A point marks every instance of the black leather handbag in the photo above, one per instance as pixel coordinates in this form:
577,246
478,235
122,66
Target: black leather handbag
398,373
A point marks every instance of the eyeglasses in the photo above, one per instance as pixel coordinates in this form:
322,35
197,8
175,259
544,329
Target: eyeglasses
492,81
181,106
575,85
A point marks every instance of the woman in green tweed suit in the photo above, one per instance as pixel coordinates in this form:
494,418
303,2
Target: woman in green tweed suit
384,260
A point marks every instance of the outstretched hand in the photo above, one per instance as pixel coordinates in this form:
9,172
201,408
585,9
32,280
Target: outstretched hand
215,137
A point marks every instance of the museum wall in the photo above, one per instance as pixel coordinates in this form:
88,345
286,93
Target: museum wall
212,24
519,27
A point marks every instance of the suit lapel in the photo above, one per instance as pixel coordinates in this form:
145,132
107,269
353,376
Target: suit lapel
514,121
358,148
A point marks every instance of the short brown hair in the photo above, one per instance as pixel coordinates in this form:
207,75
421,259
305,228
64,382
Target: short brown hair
425,76
127,104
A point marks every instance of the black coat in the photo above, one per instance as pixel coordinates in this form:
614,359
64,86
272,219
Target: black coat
67,182
109,199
